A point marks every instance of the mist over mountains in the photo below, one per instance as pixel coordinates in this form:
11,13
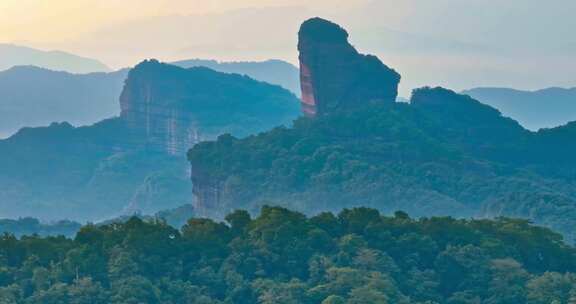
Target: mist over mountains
276,72
546,108
135,162
345,195
13,55
33,97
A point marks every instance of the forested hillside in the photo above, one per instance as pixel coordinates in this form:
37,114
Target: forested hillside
443,154
281,256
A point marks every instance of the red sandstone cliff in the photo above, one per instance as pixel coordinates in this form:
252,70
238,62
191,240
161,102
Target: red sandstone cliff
334,75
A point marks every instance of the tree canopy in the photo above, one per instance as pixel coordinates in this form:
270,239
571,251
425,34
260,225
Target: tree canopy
282,256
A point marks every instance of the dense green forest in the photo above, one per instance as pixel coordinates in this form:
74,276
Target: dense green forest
442,154
281,256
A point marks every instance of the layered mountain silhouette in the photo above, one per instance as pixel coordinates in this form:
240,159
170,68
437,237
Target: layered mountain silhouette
32,97
441,154
14,55
134,163
544,108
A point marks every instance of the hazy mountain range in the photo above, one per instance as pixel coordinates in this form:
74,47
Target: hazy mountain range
31,96
36,96
276,72
14,55
87,98
544,108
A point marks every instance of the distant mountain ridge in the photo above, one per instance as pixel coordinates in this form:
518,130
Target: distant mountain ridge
32,97
273,71
13,55
538,109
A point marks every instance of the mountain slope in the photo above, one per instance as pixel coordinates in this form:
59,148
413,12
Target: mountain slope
14,55
545,108
395,157
32,97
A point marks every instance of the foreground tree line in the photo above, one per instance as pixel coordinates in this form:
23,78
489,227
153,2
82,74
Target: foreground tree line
282,256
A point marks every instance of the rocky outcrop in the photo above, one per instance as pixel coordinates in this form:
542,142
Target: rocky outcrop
207,193
172,108
334,75
147,105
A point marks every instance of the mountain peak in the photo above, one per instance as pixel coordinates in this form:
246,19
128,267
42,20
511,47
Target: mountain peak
334,76
322,31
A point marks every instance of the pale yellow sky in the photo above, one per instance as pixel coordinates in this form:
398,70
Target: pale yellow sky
53,20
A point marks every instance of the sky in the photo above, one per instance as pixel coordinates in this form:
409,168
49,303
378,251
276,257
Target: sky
459,44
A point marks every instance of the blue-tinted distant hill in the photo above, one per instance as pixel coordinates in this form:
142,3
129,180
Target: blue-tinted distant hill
533,109
32,96
14,55
276,72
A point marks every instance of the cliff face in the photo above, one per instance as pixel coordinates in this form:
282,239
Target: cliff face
173,108
334,75
170,109
147,107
